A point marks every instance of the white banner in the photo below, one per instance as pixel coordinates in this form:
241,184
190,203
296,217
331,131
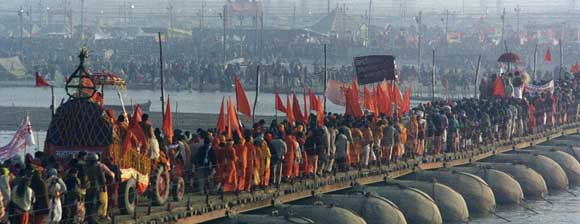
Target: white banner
534,89
22,139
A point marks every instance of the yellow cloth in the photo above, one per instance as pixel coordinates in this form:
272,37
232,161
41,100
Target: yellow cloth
104,200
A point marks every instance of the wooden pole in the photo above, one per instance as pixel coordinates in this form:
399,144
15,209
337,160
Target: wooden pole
535,61
224,35
52,101
419,42
433,77
325,78
476,76
257,94
162,76
561,60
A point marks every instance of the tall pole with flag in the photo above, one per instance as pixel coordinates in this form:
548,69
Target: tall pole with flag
257,93
162,76
325,78
476,76
535,61
41,82
433,77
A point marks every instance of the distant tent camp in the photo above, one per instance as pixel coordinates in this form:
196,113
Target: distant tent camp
11,68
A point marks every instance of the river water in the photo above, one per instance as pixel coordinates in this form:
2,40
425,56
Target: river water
565,208
183,101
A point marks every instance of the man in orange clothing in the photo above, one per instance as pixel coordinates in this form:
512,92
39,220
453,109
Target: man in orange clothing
230,176
290,156
242,161
252,163
264,156
217,146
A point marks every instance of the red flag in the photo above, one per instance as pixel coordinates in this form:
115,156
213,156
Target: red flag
289,110
296,109
406,101
233,122
306,112
320,112
168,122
313,101
221,123
243,105
40,81
279,104
136,131
575,68
548,56
498,88
138,113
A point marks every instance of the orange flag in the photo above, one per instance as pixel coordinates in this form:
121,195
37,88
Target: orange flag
548,56
320,112
397,98
498,88
406,101
289,110
347,107
243,105
313,101
379,97
279,104
355,104
355,89
168,122
233,122
383,99
296,108
221,123
352,106
369,101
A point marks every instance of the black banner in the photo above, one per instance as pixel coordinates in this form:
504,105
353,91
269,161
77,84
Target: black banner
375,68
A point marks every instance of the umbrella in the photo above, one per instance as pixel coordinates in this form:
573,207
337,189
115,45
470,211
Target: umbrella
509,58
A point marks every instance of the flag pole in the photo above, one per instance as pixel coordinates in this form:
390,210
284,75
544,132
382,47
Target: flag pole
433,77
561,60
325,78
275,105
535,61
52,101
257,94
162,76
476,76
